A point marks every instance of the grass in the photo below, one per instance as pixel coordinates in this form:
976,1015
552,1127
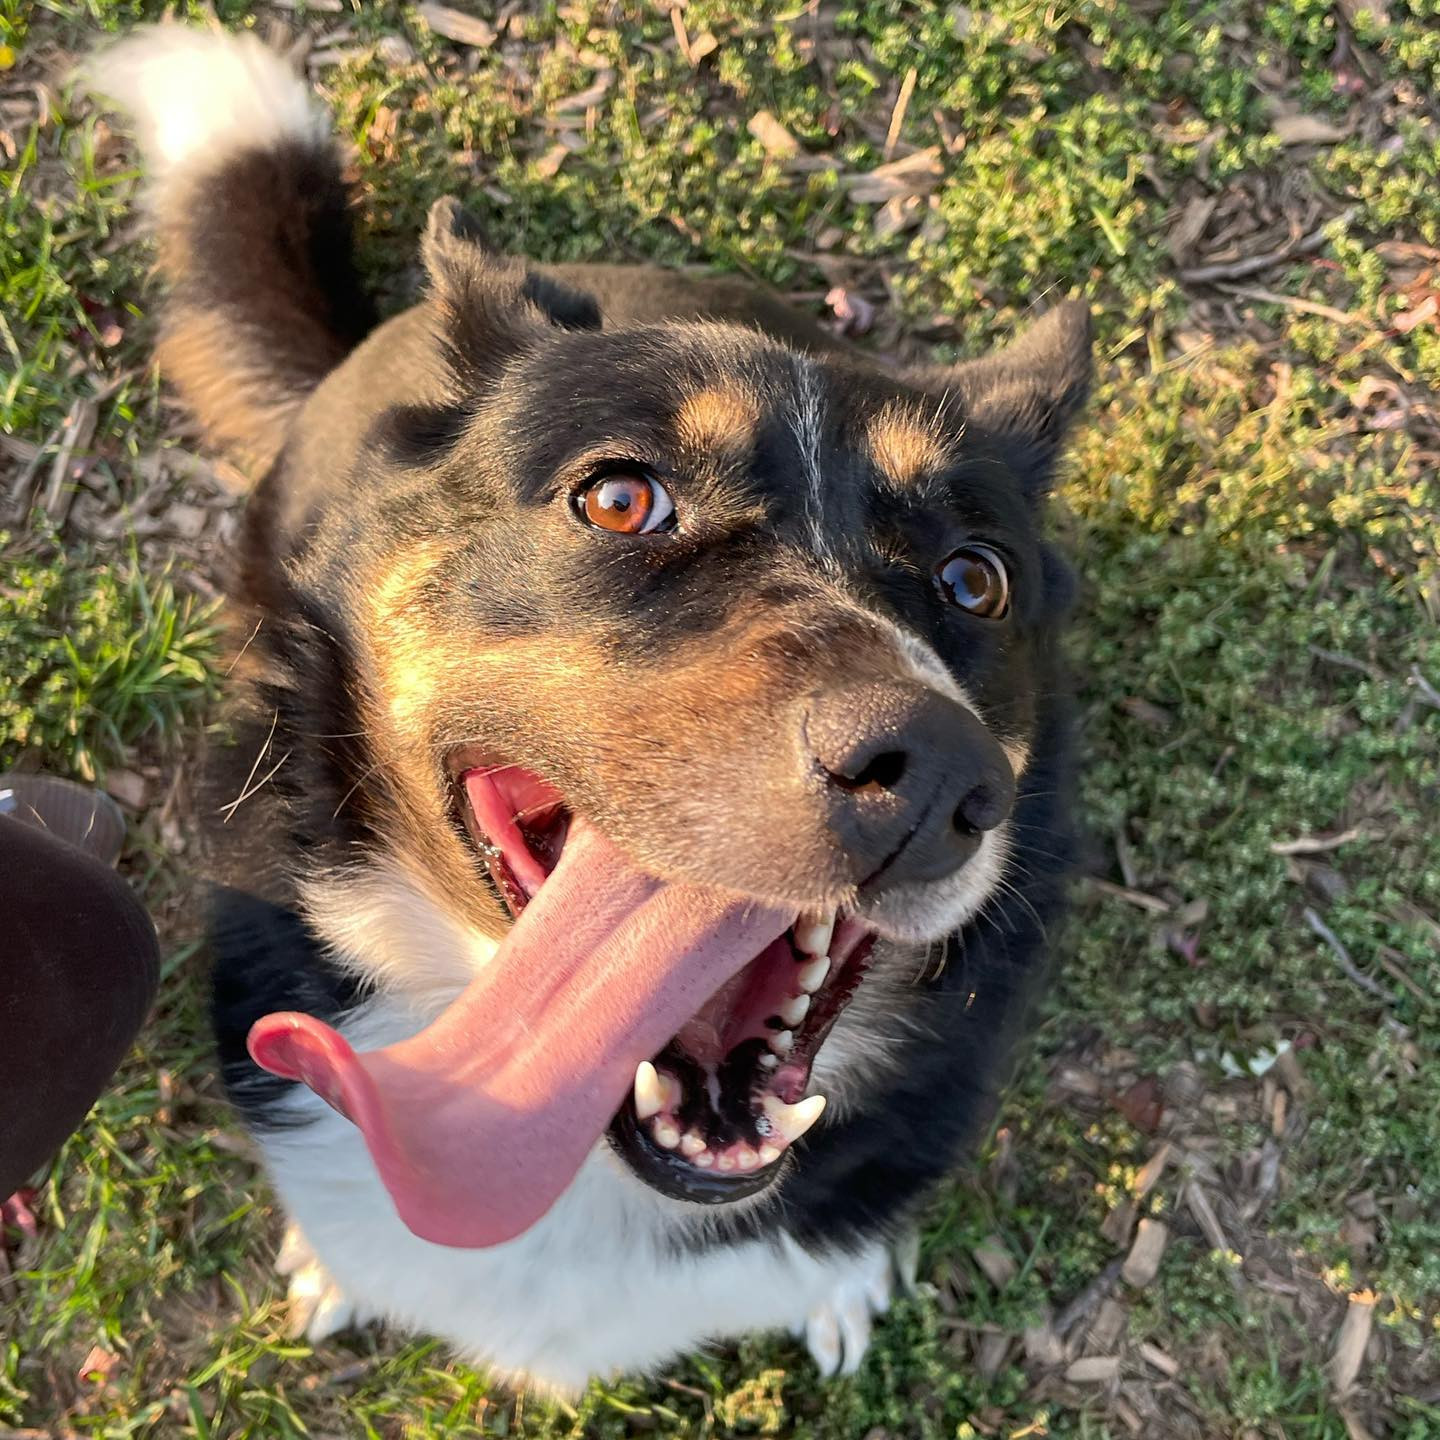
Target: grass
1254,512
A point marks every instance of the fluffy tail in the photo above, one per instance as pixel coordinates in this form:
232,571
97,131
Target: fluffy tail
252,213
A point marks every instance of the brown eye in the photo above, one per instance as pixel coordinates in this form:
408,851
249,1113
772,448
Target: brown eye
974,578
626,504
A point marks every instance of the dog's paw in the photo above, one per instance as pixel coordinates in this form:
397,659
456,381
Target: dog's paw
837,1331
318,1307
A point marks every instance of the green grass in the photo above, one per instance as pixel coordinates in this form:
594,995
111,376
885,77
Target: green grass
1254,513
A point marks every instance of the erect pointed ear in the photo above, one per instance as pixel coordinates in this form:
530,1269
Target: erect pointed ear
489,305
1024,397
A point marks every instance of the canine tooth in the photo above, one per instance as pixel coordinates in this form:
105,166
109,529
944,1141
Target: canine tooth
795,1009
665,1134
792,1121
768,1154
691,1143
812,977
783,1043
813,933
649,1092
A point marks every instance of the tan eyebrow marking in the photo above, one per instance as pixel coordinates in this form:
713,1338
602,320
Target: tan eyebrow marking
905,446
721,417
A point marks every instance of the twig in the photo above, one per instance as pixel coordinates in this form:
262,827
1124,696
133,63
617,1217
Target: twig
1204,1213
1397,971
897,115
1152,903
1319,844
1348,662
1236,269
1293,302
1088,1300
1428,693
1370,986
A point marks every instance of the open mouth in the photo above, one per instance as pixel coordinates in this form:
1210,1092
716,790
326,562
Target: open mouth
681,1019
712,1114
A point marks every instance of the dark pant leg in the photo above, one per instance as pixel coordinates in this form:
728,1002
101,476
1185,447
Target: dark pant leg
79,967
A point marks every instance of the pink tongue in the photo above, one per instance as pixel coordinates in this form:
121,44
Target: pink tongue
478,1123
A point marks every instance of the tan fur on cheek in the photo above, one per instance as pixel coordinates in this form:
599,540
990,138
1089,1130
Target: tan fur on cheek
722,418
904,447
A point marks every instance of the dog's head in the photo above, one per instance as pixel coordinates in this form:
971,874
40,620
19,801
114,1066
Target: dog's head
696,677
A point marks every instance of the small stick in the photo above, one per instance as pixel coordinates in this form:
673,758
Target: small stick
1088,1300
897,115
1293,302
1428,693
1318,844
1236,269
1370,986
1152,903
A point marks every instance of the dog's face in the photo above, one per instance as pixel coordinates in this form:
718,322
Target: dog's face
740,643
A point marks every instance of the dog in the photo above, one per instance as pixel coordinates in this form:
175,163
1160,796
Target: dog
650,765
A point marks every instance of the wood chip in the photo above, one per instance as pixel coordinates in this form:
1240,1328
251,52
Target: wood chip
1150,1172
994,1348
548,165
1306,130
1107,1327
1350,1343
1190,226
916,174
127,787
1206,1218
1093,1370
897,115
1154,1356
1043,1347
456,25
996,1261
1119,1224
1142,1264
775,139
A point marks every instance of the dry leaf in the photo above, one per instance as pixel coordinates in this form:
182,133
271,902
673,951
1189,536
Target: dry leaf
773,136
1306,130
456,25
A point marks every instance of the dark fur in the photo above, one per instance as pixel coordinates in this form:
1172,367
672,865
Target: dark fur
436,461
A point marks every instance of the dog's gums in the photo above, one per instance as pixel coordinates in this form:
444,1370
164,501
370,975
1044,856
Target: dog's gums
712,1115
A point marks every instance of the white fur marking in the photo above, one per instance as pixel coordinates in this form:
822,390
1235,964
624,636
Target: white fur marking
805,426
620,1292
198,97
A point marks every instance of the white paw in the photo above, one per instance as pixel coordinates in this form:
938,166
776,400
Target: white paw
837,1331
319,1308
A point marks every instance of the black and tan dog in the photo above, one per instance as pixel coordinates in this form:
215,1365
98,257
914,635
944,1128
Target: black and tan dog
650,788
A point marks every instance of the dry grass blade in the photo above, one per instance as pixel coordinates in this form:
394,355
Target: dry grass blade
897,115
1320,844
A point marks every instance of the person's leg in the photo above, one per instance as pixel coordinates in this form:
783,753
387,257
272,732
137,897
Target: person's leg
79,967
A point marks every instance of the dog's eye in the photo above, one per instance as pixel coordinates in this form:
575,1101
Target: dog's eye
974,578
626,503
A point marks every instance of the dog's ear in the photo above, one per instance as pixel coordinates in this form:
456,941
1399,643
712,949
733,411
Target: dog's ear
1025,396
490,305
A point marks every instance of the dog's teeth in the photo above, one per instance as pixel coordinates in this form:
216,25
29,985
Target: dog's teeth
794,1010
812,977
705,1160
649,1091
783,1043
768,1154
792,1121
665,1134
813,933
691,1144
725,1161
768,1061
746,1158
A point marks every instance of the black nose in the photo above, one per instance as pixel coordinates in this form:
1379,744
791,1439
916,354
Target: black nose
913,779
